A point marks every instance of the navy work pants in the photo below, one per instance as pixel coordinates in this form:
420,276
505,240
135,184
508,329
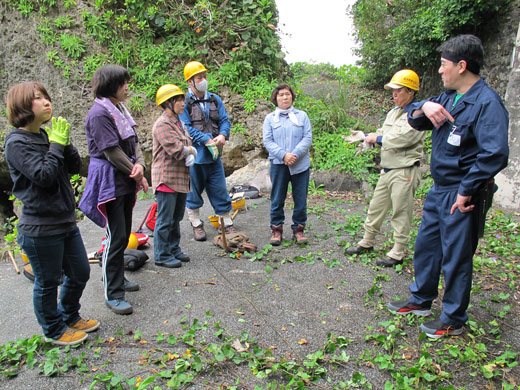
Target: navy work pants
445,243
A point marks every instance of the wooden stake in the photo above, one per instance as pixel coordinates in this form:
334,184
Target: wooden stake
224,242
14,262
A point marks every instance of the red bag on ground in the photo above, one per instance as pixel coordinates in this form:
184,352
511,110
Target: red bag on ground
149,219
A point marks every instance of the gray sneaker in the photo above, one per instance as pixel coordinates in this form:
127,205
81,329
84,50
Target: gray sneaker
119,306
404,307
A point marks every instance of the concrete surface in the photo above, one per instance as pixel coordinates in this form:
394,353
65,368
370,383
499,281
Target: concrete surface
292,294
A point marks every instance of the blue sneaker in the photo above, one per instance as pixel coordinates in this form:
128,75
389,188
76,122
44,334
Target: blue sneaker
119,306
182,257
172,263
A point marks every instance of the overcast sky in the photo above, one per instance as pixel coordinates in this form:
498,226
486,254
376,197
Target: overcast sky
316,31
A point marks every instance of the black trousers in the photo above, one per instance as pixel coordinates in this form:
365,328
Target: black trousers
119,227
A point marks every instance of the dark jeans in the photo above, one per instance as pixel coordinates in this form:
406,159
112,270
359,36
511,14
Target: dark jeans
119,215
167,233
280,178
210,177
48,257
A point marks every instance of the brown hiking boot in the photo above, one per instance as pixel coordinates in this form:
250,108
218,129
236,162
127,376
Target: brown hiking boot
198,233
231,229
276,235
298,235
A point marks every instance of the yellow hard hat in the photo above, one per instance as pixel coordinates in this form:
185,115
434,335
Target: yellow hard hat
167,91
133,242
404,78
192,68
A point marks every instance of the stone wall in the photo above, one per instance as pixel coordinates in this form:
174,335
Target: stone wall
508,194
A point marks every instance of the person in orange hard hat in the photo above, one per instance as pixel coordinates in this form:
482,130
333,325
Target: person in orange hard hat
401,152
172,157
208,125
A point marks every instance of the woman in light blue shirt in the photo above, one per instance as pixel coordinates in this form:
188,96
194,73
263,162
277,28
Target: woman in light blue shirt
287,137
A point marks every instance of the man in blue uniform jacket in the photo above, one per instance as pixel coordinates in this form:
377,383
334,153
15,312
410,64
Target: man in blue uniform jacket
469,147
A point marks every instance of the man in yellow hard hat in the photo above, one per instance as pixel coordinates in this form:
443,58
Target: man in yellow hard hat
401,152
469,124
208,125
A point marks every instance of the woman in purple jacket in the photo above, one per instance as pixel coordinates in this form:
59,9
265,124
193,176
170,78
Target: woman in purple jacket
115,174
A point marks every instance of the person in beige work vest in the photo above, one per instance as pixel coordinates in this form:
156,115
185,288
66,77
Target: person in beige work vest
401,152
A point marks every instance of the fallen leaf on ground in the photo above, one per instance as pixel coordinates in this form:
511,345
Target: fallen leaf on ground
237,346
303,341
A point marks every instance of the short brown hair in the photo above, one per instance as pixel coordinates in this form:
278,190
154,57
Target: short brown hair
277,89
19,102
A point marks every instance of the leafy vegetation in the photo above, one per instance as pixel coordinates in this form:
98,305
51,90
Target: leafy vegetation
401,34
235,39
388,353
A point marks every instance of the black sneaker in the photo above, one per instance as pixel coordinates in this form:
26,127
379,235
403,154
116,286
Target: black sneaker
436,329
405,307
388,262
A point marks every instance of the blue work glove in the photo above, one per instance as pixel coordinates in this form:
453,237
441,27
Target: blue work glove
213,149
60,133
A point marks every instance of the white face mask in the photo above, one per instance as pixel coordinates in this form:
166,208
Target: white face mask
202,86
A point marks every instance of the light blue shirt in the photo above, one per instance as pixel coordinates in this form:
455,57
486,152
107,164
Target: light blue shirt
286,137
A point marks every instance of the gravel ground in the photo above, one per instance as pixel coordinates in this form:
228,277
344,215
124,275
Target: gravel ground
294,293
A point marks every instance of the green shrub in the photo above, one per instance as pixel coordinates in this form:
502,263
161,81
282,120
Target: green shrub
405,33
72,45
331,152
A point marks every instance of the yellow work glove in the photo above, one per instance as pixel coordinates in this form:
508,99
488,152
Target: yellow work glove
60,131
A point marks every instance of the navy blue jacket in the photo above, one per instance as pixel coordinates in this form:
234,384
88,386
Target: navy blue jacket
481,122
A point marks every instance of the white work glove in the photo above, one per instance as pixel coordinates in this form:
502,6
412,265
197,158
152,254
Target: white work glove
189,150
357,136
190,160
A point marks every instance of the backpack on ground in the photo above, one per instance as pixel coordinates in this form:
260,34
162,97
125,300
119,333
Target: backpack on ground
248,192
134,258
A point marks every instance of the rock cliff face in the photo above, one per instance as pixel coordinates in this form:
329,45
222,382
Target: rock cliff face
23,58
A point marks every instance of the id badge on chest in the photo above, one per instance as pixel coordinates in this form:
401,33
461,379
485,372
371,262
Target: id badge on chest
454,139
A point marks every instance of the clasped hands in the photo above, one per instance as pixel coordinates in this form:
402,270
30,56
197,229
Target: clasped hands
60,132
289,158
